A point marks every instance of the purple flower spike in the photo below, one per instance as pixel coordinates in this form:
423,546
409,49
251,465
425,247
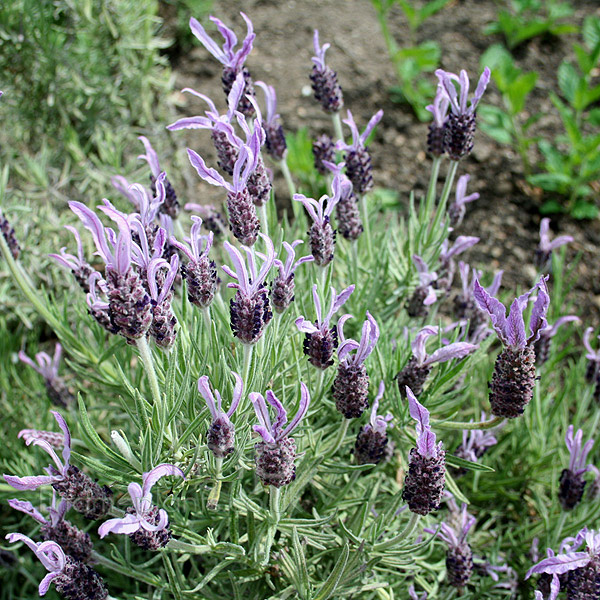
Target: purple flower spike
347,209
543,252
231,59
276,453
47,367
147,525
424,295
72,579
457,210
250,308
460,127
542,345
220,437
437,128
80,268
324,80
511,388
447,263
321,340
164,321
275,138
282,288
426,477
572,484
351,384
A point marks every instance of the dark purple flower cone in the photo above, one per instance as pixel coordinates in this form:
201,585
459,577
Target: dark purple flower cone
460,132
456,214
275,462
322,242
275,143
459,565
9,235
220,437
323,150
215,222
102,317
326,88
243,221
415,306
227,79
73,541
250,315
359,169
259,184
163,325
201,278
467,308
413,376
371,447
129,303
59,393
319,347
571,488
80,582
542,349
584,583
435,139
592,371
351,390
82,276
511,388
89,498
282,292
150,540
542,259
227,153
171,204
424,482
348,217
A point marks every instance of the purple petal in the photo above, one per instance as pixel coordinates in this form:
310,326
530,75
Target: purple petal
28,483
560,564
425,437
302,409
126,526
206,173
458,350
237,393
281,419
418,344
540,308
66,453
150,157
515,326
305,326
262,413
206,41
371,125
483,83
494,308
27,508
45,583
162,470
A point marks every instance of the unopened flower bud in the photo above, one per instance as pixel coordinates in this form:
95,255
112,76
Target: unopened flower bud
414,376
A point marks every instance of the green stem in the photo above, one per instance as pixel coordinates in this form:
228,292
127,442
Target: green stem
274,509
215,492
441,209
146,356
354,250
341,434
264,221
458,425
285,170
179,229
114,566
248,348
365,220
431,190
337,126
402,536
191,548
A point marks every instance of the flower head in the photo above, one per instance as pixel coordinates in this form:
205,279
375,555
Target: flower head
475,442
546,246
275,138
439,108
359,140
319,210
426,445
282,290
321,325
362,349
426,278
77,264
456,350
578,452
458,102
47,367
325,85
457,210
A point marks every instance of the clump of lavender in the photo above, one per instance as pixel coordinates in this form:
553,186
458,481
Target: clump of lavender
543,253
200,273
542,345
347,211
320,340
250,307
437,128
372,444
461,123
357,157
351,384
144,523
475,443
220,437
324,80
212,219
47,367
164,321
73,541
86,496
457,210
417,369
513,380
323,150
424,295
275,143
282,288
572,484
424,483
8,233
232,61
276,453
80,268
72,579
447,263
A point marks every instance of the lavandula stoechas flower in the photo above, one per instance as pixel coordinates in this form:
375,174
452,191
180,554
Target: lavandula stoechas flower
73,579
282,288
220,437
457,210
73,541
8,233
572,484
323,150
372,445
276,453
437,128
424,483
424,295
459,556
461,123
542,345
250,309
351,384
320,340
475,443
578,572
543,253
47,367
347,211
417,369
232,61
513,380
144,523
164,321
243,221
170,206
357,157
80,268
324,80
98,306
212,219
200,273
86,496
275,143
447,263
